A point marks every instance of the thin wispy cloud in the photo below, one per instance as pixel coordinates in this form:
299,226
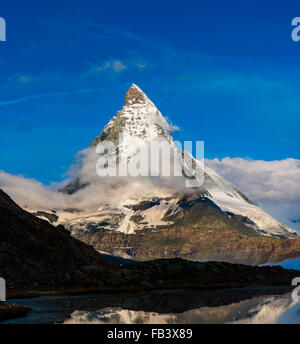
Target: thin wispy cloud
114,66
119,66
117,31
141,65
44,95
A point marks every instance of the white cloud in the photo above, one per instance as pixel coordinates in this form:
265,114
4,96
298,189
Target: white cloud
119,66
29,193
141,65
25,78
44,95
276,181
273,185
174,128
114,66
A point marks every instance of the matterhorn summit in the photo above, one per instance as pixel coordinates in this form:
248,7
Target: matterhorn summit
139,118
135,95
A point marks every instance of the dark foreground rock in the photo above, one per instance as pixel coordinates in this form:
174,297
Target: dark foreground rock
180,273
13,311
167,274
35,253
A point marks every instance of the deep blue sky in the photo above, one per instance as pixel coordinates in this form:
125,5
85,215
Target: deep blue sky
226,72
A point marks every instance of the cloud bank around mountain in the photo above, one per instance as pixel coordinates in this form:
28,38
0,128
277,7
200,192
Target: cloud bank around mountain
276,181
273,185
31,194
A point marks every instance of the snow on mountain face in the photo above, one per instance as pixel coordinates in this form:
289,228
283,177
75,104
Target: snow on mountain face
230,199
139,118
140,121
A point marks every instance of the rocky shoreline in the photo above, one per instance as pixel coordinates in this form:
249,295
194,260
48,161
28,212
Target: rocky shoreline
164,274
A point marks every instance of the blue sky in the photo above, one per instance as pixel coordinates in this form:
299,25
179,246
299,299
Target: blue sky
224,72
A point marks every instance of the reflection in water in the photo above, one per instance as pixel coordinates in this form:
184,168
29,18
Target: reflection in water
291,316
258,310
251,306
269,311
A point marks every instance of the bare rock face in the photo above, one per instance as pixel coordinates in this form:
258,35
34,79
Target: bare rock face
134,96
201,231
216,243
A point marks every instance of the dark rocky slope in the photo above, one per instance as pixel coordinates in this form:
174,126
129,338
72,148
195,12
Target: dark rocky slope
34,253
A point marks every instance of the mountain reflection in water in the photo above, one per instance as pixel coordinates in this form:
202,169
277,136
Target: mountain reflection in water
258,310
257,306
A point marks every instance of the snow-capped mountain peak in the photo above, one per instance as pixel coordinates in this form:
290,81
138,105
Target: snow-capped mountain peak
140,122
135,95
139,118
